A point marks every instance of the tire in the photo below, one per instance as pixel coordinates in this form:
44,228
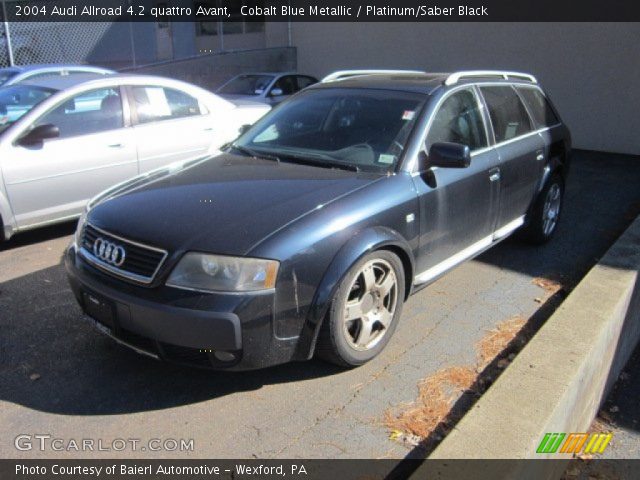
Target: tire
372,294
545,213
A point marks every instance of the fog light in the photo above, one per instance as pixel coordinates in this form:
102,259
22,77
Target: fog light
225,356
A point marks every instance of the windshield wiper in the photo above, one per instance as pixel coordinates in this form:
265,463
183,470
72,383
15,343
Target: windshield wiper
326,161
253,153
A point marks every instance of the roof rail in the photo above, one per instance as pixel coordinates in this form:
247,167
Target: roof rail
342,74
455,77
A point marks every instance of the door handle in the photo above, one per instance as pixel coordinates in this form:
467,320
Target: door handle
116,145
209,129
495,176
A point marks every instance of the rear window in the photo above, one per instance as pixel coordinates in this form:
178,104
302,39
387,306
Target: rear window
508,114
539,106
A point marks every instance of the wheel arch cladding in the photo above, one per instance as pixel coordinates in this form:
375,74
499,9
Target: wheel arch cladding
364,242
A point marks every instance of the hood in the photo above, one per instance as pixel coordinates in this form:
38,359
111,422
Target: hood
226,204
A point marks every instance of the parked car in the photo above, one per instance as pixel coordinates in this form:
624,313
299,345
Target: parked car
65,139
310,231
19,74
270,88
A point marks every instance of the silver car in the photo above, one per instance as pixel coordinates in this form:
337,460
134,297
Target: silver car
65,139
19,74
269,88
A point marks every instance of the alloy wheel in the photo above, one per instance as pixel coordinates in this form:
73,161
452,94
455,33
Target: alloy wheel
371,304
551,209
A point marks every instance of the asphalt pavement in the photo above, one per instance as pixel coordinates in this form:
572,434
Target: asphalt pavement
61,378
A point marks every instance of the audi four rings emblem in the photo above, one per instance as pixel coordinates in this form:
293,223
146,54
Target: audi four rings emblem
109,252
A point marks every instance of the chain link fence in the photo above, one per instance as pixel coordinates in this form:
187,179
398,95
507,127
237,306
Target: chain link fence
123,45
27,42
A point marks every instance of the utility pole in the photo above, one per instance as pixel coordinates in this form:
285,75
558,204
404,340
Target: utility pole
7,33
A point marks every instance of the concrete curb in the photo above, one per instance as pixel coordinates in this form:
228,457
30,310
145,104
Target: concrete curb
559,380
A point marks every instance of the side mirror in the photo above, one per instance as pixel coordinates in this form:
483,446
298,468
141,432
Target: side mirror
449,155
40,133
243,129
276,92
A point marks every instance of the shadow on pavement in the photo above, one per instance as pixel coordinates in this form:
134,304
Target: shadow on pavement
39,235
54,361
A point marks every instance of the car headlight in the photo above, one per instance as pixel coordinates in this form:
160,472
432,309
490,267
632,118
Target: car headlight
211,273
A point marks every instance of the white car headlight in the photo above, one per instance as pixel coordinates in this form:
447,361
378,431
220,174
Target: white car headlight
218,273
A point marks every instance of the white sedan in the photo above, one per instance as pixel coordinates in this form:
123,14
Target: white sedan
65,139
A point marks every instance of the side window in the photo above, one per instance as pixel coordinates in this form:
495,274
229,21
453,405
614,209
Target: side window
158,103
286,84
458,120
539,107
508,115
90,112
304,82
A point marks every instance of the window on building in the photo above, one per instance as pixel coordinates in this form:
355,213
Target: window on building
237,23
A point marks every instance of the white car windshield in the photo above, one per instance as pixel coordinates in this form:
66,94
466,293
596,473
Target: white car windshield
17,100
247,85
356,129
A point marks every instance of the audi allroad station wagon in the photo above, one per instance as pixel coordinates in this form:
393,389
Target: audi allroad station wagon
307,234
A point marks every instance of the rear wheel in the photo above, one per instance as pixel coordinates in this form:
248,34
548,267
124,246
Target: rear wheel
364,311
545,214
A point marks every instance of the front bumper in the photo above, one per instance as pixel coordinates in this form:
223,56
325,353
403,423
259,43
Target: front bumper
225,331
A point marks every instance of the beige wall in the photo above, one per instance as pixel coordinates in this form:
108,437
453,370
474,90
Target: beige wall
591,71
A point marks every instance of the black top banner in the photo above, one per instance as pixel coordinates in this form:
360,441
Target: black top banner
320,11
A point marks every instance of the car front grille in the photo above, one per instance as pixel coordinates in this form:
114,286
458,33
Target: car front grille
134,261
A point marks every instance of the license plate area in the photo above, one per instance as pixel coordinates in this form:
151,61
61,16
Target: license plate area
100,309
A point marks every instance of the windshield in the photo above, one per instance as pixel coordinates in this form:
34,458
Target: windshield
363,129
6,74
247,85
17,100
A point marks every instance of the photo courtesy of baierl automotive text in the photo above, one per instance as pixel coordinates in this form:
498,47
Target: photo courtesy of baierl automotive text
319,239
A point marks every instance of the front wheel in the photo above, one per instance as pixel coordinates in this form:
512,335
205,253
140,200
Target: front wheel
545,214
364,311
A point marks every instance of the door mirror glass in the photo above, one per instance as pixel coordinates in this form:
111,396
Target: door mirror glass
39,134
276,92
449,155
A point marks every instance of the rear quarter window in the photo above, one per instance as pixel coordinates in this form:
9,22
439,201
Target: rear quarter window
539,106
508,114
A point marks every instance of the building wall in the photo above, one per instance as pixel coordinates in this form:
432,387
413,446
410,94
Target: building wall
590,70
211,71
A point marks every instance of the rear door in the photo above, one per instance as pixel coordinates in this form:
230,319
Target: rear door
169,125
95,150
521,153
457,206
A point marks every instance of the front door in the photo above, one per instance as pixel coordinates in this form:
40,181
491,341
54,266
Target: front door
457,206
95,150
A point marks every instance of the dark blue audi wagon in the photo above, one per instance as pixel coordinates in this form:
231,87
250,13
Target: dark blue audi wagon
305,236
